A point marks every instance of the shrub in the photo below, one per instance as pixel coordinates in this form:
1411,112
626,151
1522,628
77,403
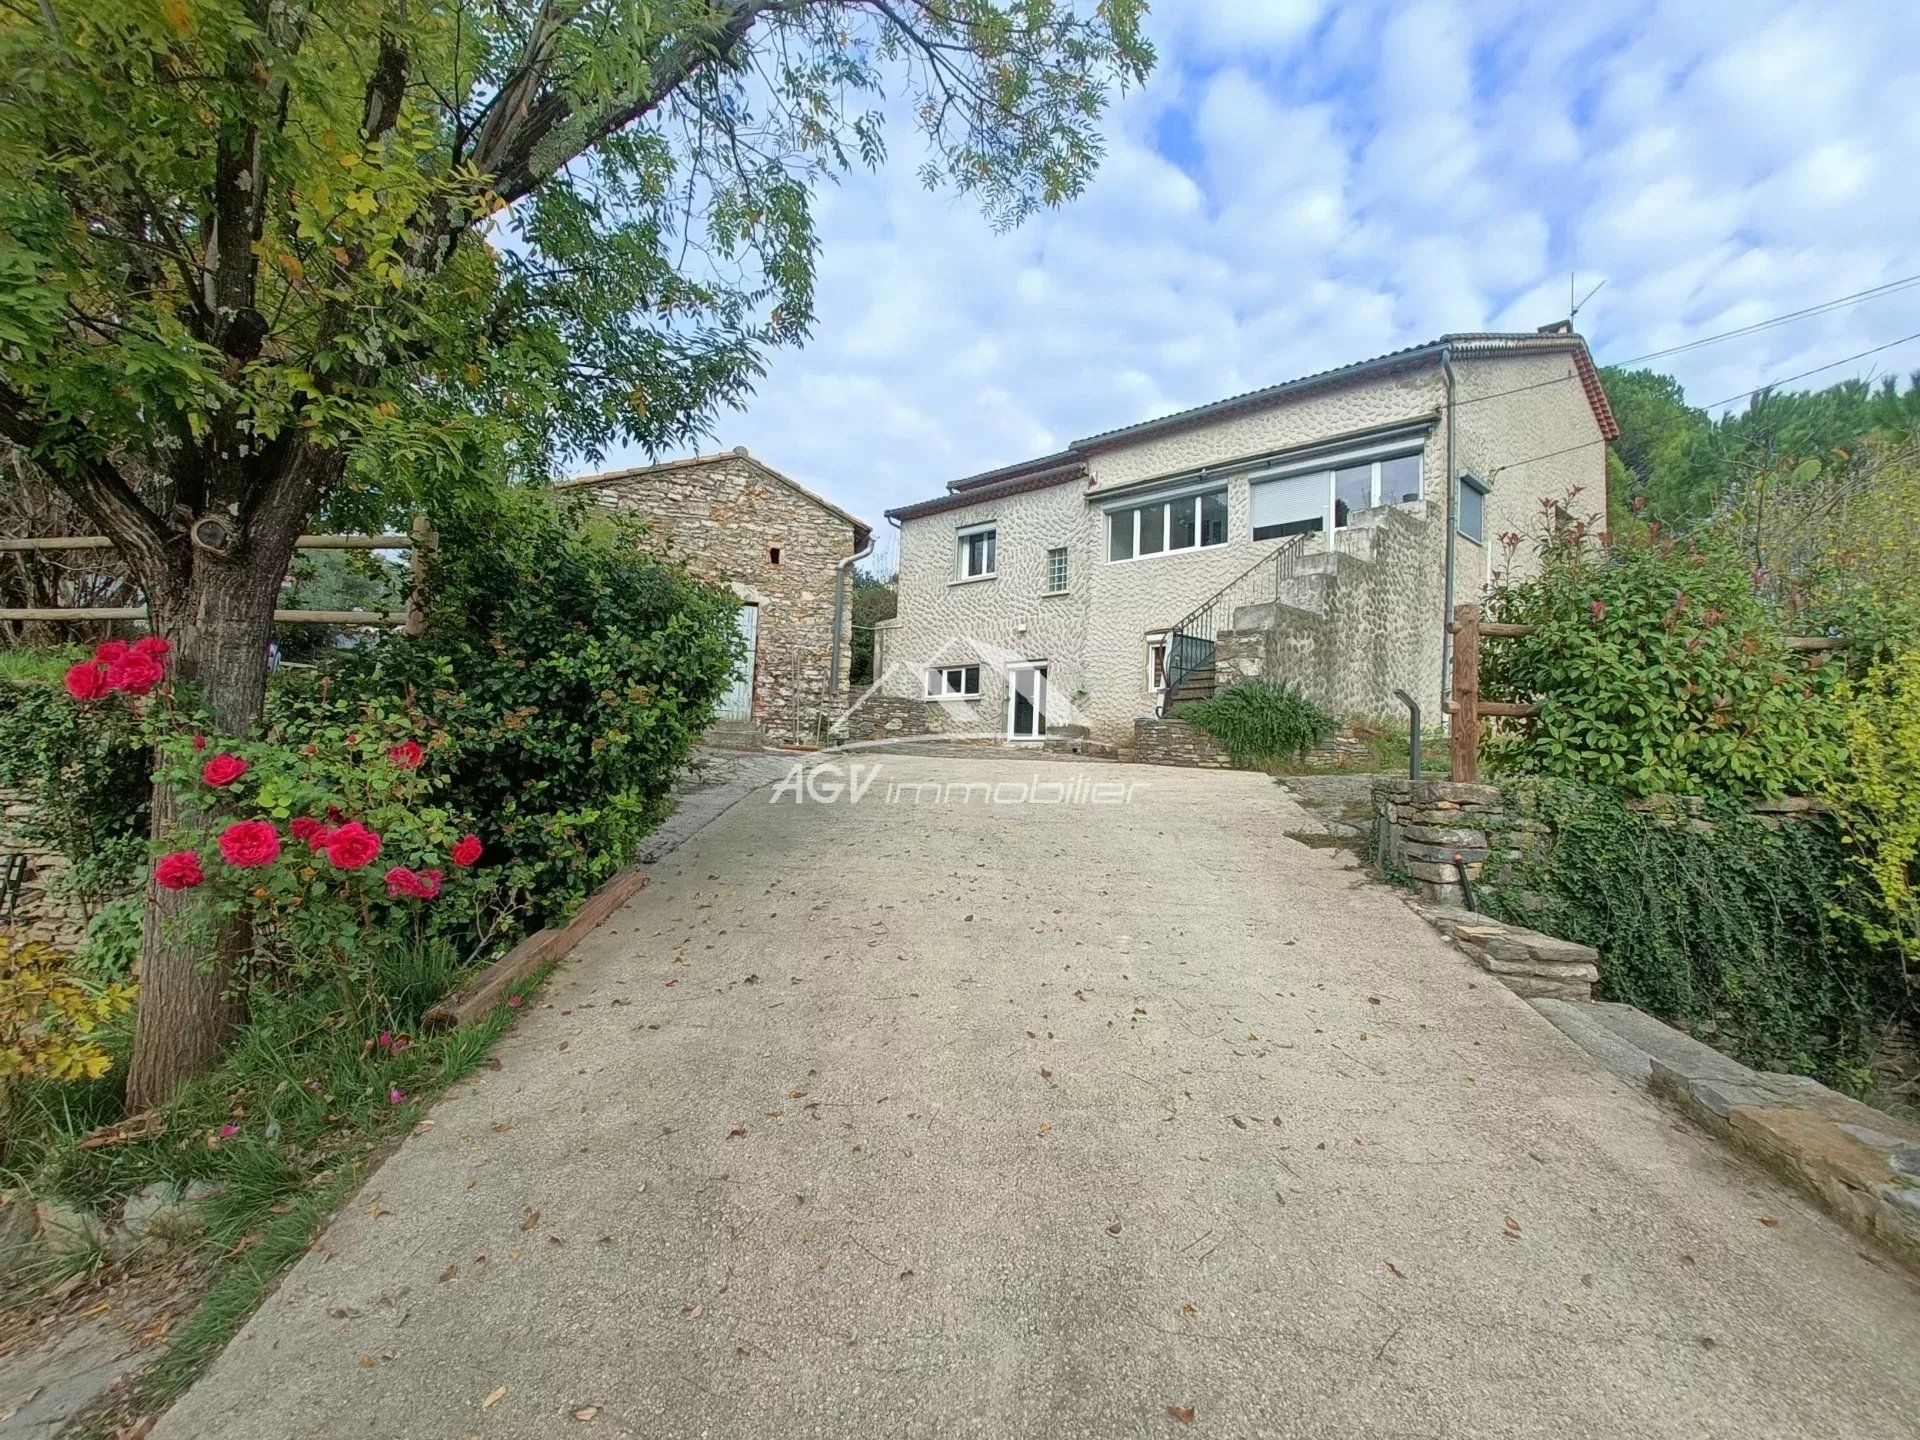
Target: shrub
565,676
47,1017
1879,791
1657,667
1261,722
1746,935
87,776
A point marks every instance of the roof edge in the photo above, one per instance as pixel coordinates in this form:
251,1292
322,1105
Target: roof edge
694,462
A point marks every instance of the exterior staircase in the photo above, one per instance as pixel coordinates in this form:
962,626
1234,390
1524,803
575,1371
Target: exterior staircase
1280,610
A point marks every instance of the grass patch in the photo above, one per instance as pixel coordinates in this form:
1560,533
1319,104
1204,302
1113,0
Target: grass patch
39,664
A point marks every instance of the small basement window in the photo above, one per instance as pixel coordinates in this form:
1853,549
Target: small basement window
945,682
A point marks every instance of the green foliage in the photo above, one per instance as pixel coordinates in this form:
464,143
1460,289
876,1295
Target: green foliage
337,580
1261,722
48,1016
87,774
874,600
1657,668
1655,425
1745,935
564,676
36,665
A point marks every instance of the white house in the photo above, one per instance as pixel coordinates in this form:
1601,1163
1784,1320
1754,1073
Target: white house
1318,530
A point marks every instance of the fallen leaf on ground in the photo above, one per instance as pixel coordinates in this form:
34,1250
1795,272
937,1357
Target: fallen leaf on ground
1044,1127
1182,1413
448,1273
1396,1270
1045,1074
737,1132
586,1412
529,1218
1114,1229
493,1399
1768,1221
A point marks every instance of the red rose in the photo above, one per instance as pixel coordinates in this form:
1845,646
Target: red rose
152,646
466,850
317,841
407,755
135,673
352,846
111,651
304,829
179,871
249,843
223,769
199,742
88,681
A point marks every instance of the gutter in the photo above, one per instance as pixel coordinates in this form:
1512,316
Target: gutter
840,572
1452,509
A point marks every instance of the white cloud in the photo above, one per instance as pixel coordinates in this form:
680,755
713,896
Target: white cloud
1300,185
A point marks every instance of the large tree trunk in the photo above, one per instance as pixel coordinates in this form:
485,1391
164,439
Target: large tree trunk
220,625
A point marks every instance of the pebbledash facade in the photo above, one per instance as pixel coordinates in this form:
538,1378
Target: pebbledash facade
786,552
1299,531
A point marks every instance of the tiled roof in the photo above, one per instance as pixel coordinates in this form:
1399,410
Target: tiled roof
1019,479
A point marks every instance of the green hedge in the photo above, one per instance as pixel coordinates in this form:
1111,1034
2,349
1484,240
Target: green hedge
1261,722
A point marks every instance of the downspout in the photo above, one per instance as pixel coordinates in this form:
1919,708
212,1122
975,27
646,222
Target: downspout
840,614
1453,482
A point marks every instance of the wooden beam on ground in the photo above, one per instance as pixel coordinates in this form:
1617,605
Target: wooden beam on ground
490,988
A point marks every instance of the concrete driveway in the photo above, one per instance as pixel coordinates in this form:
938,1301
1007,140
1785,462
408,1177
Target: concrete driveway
1059,1119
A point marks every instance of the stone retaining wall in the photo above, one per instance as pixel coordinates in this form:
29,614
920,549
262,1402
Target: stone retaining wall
1420,825
41,911
1160,741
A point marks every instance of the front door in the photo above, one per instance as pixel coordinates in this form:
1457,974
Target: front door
1026,702
737,703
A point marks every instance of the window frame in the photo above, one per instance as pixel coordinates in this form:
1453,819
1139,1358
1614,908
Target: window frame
1066,574
1165,503
962,548
1326,471
1471,481
936,690
1161,641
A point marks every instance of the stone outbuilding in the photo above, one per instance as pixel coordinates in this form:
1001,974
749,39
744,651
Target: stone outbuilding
786,552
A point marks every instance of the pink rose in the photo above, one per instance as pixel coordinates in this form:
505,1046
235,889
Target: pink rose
88,681
223,769
250,843
352,846
466,851
179,871
407,754
135,673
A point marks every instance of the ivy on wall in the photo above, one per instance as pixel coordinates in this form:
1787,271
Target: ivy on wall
1744,933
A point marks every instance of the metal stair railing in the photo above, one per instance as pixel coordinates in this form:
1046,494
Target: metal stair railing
1190,643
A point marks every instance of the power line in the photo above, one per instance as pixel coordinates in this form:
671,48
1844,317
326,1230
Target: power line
1784,380
1834,365
1892,287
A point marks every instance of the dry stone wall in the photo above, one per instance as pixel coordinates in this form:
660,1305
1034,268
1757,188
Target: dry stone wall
40,911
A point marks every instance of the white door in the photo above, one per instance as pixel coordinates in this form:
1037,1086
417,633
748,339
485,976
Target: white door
737,703
1026,702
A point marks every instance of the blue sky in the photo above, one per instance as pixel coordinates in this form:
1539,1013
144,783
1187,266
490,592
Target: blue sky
1303,183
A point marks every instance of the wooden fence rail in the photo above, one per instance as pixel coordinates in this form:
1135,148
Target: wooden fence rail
421,540
1466,706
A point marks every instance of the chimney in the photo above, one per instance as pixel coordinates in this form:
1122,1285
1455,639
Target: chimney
1558,327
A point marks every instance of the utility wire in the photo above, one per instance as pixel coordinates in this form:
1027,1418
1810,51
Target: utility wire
1892,287
1745,394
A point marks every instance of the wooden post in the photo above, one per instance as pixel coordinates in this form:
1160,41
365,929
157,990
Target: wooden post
426,542
1466,692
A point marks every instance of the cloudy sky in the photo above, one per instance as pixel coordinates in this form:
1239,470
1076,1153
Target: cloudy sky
1303,183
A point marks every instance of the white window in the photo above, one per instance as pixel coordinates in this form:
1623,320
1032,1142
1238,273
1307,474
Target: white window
945,682
975,558
1056,570
1473,509
1156,663
1309,500
1187,522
